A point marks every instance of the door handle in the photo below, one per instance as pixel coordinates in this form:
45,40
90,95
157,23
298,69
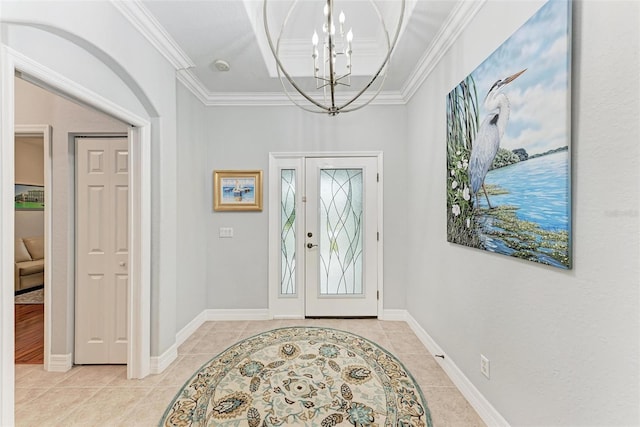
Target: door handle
122,263
310,245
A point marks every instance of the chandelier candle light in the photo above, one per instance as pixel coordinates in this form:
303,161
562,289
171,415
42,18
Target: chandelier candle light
334,68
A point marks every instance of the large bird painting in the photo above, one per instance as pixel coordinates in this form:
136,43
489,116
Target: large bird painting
508,145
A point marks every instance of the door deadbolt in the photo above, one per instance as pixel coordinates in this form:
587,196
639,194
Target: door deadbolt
309,234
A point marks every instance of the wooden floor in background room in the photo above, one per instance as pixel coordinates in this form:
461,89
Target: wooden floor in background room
29,320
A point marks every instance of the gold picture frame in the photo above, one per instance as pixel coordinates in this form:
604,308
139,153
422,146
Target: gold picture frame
237,190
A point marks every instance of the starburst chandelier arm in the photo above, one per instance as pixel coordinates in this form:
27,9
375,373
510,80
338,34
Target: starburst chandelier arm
280,67
390,47
323,110
331,53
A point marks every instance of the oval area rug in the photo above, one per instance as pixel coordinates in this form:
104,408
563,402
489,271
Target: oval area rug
301,376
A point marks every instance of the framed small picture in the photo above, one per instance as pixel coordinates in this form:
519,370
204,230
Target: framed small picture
29,197
237,190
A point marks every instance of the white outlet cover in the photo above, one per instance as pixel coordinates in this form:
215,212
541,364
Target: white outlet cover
485,366
225,232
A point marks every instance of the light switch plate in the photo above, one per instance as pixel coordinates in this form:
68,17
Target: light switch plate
226,232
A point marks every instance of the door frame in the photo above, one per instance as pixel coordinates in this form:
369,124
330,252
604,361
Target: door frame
293,307
44,131
138,359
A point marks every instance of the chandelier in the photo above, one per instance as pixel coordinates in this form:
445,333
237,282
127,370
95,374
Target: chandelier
331,63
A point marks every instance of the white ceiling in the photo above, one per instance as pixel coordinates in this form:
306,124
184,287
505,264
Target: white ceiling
192,34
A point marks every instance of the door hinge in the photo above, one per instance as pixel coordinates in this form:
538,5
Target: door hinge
378,236
377,177
378,295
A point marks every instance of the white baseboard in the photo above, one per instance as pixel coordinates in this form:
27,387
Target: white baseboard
59,362
394,315
487,412
288,317
160,363
190,328
238,314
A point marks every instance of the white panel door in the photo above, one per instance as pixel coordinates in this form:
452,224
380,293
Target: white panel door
102,239
341,237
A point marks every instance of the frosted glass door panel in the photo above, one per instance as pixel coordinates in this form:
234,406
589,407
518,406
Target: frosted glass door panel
288,232
340,231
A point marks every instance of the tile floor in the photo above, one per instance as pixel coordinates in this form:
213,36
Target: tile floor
102,396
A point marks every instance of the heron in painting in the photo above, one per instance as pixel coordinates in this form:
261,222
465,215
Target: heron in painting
485,146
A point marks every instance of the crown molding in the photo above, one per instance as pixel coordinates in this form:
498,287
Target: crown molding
194,84
238,99
455,24
144,21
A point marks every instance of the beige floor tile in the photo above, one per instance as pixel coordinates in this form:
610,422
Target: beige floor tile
148,381
190,344
228,326
214,343
149,411
52,406
258,327
36,376
102,396
396,327
93,375
25,395
107,407
449,408
425,369
183,369
406,343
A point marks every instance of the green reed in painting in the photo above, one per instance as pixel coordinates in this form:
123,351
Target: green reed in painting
462,125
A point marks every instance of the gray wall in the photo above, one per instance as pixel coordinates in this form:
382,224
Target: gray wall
563,345
242,137
193,209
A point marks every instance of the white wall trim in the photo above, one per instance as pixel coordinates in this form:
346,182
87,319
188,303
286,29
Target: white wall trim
7,181
184,333
483,407
264,99
44,131
238,314
394,315
160,363
456,23
60,362
193,84
144,21
138,363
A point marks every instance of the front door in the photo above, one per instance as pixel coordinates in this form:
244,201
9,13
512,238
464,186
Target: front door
102,250
341,237
324,228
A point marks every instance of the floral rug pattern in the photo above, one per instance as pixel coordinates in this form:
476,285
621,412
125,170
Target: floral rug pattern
301,376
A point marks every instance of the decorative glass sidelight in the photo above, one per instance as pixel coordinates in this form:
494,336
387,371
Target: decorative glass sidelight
288,232
341,213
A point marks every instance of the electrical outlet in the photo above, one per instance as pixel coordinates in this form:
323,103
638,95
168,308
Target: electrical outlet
226,232
484,366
